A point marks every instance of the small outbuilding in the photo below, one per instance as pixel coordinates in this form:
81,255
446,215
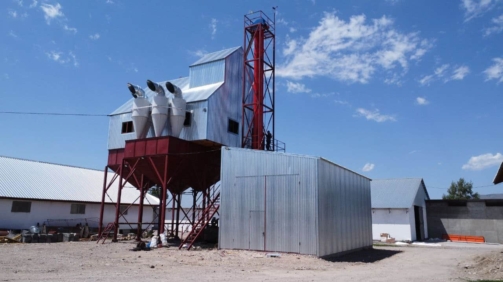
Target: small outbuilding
399,209
292,203
34,192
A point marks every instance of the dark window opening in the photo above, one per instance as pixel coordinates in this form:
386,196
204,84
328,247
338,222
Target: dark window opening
494,203
456,203
18,206
124,210
233,126
127,127
188,120
78,209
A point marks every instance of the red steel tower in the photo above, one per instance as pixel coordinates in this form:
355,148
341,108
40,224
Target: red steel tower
259,82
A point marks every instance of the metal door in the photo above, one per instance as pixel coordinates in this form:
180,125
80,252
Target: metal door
282,213
257,231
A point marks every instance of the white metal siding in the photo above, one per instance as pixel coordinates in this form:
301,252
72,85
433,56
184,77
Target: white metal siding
41,211
395,222
226,103
327,213
116,139
420,200
246,175
208,73
344,209
196,131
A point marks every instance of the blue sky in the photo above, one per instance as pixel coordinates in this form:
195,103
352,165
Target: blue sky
391,88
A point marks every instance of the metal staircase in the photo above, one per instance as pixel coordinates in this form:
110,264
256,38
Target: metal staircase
203,220
104,234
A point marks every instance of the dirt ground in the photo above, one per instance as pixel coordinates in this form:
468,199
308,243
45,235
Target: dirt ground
88,261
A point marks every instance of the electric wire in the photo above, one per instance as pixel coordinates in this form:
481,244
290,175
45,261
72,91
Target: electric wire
53,114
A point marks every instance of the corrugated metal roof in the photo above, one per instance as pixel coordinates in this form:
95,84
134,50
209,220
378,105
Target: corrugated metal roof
395,193
189,94
219,55
45,181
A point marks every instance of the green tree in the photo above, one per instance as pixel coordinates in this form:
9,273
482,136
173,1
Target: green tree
460,190
155,191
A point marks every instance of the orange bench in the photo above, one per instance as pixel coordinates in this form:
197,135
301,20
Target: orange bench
464,238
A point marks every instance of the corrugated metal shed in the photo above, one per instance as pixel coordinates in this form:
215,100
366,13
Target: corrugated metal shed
292,203
215,56
27,179
396,193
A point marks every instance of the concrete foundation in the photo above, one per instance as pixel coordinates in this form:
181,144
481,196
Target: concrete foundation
472,218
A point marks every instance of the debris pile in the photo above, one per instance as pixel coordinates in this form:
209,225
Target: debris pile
386,238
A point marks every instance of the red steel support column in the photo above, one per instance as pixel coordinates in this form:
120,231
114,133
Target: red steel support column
258,89
102,207
140,209
205,194
178,206
164,193
118,205
173,214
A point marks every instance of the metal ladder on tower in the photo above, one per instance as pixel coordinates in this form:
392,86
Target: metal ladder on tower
202,222
104,234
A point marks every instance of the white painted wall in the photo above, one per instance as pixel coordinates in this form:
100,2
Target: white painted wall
395,222
43,210
412,220
420,200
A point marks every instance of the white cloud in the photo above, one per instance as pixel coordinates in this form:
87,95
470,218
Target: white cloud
460,73
422,101
213,26
321,95
11,33
19,2
351,51
341,102
440,71
95,36
70,29
374,115
74,59
294,87
475,8
51,11
495,71
63,58
292,29
33,4
483,161
12,13
426,80
394,79
198,53
496,28
281,21
368,167
55,56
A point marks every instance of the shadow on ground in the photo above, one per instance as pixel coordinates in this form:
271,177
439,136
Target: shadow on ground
366,256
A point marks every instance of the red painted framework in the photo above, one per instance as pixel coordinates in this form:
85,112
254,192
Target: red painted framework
172,164
258,80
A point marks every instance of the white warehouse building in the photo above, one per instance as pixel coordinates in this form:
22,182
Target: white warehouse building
399,209
34,192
